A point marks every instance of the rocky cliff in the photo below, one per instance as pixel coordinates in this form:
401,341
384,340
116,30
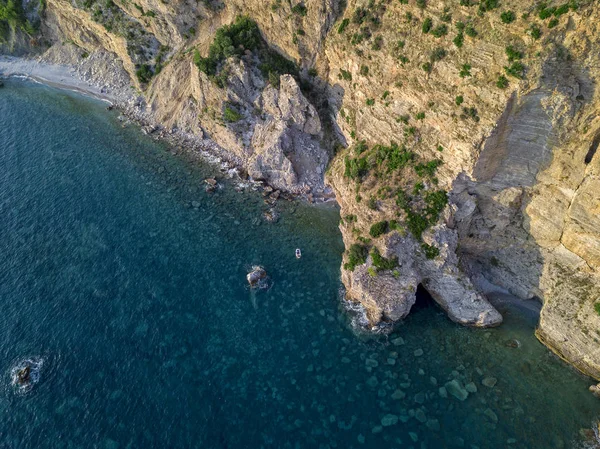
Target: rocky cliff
467,132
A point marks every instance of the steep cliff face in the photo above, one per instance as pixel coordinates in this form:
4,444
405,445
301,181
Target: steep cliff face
267,126
470,130
518,152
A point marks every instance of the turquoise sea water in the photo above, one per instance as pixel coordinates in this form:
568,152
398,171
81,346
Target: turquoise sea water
135,302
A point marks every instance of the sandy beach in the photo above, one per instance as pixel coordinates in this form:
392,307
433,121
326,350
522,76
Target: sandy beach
54,75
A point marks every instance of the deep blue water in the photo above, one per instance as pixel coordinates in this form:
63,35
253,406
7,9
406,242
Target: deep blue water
136,302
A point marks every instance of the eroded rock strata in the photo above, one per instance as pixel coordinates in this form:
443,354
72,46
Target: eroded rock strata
466,132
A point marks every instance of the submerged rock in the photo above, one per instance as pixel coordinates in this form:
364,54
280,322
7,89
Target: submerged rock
489,413
471,387
389,420
271,215
489,382
455,388
398,394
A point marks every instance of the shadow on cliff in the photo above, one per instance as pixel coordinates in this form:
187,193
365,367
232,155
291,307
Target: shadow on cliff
496,236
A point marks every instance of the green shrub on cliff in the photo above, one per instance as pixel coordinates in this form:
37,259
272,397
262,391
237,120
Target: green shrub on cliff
13,17
508,17
356,168
234,40
357,255
516,69
597,308
487,5
470,31
343,25
513,54
427,25
230,115
419,217
465,70
535,31
502,82
459,40
440,30
470,113
144,74
436,202
381,262
431,252
378,229
428,168
299,9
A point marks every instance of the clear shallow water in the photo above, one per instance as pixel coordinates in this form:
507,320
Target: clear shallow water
137,303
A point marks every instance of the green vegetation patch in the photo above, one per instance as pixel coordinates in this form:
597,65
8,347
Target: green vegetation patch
233,41
508,17
378,229
299,9
502,82
356,169
12,18
465,71
431,252
513,54
381,262
428,169
440,30
144,73
395,157
421,211
343,25
230,115
516,69
357,255
427,25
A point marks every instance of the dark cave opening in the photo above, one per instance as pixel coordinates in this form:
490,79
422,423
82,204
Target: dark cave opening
424,299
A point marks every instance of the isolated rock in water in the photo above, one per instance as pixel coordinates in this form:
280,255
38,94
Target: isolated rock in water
455,389
24,375
256,275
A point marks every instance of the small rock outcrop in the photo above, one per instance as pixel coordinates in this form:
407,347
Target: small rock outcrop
257,278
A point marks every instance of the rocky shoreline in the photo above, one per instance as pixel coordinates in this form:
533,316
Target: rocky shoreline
71,78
